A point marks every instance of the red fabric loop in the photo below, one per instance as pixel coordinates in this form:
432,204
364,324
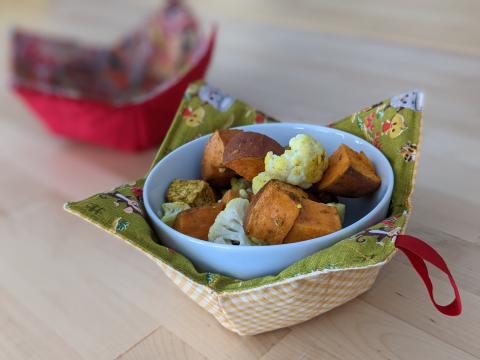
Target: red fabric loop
418,252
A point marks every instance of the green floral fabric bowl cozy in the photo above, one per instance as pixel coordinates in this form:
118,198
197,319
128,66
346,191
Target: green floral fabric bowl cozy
310,286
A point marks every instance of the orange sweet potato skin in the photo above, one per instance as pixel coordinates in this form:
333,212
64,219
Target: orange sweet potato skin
366,160
213,169
315,219
230,195
349,174
245,153
352,184
247,167
271,214
288,188
196,222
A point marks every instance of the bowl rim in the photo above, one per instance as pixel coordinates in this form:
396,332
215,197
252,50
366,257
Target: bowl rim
156,220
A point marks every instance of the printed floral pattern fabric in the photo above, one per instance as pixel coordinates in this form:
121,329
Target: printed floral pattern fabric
392,125
203,110
162,48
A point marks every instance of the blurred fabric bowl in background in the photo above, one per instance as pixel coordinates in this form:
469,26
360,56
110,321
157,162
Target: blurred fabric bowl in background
123,97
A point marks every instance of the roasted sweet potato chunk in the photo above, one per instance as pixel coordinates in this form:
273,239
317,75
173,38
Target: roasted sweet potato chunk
233,194
197,221
245,153
315,219
272,213
192,192
213,169
288,188
230,195
349,174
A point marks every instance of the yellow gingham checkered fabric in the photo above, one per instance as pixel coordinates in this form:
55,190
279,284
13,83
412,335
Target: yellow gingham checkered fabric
278,305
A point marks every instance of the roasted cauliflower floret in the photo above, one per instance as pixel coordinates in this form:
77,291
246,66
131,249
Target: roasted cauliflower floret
302,164
260,180
239,183
171,210
228,226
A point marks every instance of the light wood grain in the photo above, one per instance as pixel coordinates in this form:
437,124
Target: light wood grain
24,336
69,291
360,331
162,344
448,25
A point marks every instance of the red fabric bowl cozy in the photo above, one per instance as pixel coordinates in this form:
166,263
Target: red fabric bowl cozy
123,97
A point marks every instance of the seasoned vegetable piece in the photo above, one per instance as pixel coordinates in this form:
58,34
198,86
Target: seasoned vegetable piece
197,221
228,226
290,189
229,196
302,164
260,180
272,212
233,194
245,153
192,192
239,183
315,219
171,210
349,174
213,169
340,209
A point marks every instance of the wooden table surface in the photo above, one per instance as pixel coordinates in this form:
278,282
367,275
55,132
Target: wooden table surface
70,291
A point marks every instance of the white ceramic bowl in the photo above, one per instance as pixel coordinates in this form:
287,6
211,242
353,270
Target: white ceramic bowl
246,262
